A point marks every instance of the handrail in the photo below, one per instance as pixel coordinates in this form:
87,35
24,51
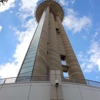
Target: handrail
23,79
44,78
81,81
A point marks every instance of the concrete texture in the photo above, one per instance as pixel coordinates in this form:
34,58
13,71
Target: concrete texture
41,91
40,67
74,68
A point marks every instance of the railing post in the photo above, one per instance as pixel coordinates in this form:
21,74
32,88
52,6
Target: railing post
4,81
88,82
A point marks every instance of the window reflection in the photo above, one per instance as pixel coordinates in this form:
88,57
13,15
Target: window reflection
29,59
26,74
29,64
28,69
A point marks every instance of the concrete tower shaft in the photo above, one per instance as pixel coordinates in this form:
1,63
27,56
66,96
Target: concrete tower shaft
50,45
56,43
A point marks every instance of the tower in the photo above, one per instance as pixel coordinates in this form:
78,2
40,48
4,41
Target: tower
40,76
49,46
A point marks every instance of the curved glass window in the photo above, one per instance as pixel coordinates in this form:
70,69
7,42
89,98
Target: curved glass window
27,69
25,74
28,64
30,56
29,60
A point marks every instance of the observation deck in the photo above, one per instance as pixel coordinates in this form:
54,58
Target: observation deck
54,7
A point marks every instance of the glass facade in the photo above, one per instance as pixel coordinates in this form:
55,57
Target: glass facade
28,63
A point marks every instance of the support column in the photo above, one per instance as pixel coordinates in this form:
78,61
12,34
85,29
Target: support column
56,92
74,68
53,50
40,67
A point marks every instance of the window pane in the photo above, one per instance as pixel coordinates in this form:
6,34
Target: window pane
28,69
32,48
34,45
35,42
26,74
29,60
28,64
31,53
36,37
29,56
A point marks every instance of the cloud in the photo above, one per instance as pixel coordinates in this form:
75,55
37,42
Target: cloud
98,63
11,68
0,28
84,37
72,1
7,5
90,61
64,2
96,33
73,22
8,70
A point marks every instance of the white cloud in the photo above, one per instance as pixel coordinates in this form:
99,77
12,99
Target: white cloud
72,1
84,37
98,63
96,33
90,61
7,5
10,69
0,28
64,2
73,22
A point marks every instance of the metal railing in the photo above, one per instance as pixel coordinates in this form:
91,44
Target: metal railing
81,81
47,78
23,79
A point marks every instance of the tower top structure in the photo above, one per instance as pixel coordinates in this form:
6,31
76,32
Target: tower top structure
54,7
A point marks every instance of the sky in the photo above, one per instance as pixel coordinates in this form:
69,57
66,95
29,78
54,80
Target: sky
81,23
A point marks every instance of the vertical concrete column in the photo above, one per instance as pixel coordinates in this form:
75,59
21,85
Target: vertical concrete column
56,92
53,50
40,67
53,91
74,68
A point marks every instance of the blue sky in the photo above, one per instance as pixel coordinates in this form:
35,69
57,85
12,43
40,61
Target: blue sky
81,22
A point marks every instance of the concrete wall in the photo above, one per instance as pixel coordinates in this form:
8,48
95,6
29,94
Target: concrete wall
28,91
41,91
80,92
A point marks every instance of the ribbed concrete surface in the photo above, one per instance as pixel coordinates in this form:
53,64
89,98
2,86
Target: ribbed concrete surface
61,45
40,67
74,68
53,49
